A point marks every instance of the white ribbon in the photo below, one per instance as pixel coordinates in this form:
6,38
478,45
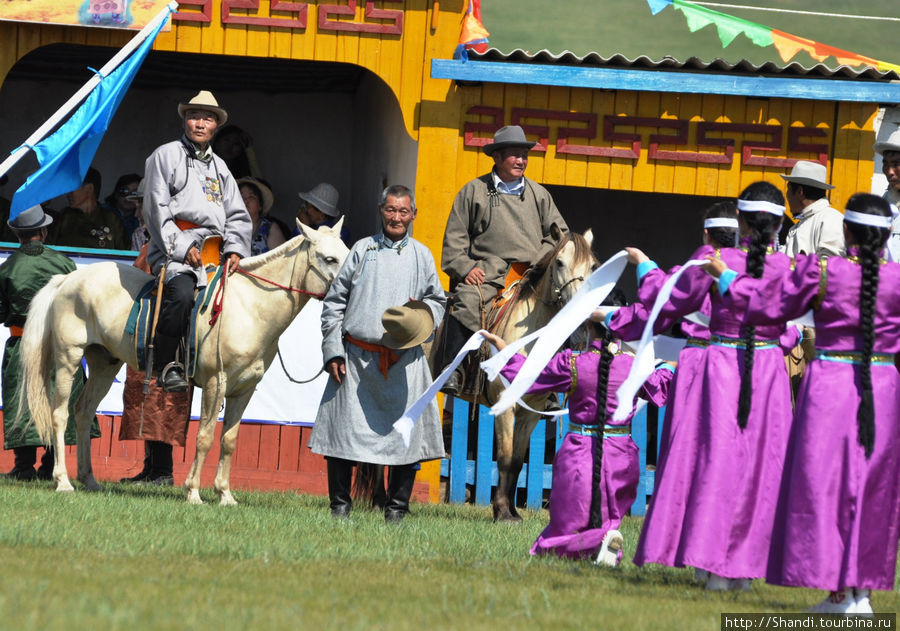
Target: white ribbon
760,206
668,348
807,320
595,289
644,358
721,222
876,221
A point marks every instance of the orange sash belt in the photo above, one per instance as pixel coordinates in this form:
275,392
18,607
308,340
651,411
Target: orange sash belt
387,357
15,331
209,250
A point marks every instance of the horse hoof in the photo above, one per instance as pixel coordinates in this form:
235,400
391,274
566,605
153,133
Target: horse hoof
64,487
91,485
227,500
194,498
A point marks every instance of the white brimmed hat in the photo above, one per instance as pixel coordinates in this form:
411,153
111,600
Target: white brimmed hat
809,174
324,197
891,144
268,199
408,325
30,219
204,100
509,136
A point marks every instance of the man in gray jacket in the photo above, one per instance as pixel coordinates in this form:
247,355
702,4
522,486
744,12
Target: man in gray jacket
498,219
190,196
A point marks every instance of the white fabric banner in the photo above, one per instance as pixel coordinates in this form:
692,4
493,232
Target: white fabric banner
595,289
276,399
644,356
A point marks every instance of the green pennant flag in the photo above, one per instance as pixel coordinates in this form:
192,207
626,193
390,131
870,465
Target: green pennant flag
727,26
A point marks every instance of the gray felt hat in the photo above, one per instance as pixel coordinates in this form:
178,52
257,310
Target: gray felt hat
509,136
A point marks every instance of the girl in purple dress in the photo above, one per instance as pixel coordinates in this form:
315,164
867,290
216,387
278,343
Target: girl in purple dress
837,522
596,470
714,507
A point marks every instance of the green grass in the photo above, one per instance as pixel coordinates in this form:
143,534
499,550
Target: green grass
628,27
136,558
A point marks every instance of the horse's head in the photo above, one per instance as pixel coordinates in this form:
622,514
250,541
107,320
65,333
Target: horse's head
326,255
570,263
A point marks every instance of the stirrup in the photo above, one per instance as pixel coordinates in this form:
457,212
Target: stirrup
172,378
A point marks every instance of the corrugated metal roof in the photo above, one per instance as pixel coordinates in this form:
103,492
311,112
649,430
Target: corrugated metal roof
744,67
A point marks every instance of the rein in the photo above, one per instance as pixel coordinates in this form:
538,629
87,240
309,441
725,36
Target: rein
279,285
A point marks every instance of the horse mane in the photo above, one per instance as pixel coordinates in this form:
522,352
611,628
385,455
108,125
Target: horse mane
252,263
531,281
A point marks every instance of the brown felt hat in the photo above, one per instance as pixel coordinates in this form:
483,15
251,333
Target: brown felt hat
407,325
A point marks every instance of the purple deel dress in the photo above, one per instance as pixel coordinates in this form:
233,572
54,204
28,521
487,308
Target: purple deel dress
838,511
716,488
567,534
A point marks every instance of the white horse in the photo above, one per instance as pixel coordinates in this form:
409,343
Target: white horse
83,314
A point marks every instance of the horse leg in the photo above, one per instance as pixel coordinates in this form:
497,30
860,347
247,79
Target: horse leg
102,368
63,379
504,510
213,394
234,409
524,426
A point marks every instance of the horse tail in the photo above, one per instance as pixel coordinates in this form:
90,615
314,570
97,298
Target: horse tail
369,484
36,355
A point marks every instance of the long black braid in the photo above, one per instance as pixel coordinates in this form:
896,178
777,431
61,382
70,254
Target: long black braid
763,226
871,240
595,520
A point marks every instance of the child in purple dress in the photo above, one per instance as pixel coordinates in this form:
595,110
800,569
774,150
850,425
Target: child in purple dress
596,470
837,523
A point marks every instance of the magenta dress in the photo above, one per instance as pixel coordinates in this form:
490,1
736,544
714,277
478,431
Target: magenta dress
838,512
714,503
567,534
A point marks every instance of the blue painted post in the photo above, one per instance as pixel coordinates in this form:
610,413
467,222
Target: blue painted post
534,476
484,458
459,451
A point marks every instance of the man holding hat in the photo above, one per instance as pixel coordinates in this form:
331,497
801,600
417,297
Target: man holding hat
189,196
22,275
889,150
318,207
820,228
383,304
498,219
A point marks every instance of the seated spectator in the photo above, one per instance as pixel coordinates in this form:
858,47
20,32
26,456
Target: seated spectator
121,201
139,236
258,198
235,147
85,223
319,208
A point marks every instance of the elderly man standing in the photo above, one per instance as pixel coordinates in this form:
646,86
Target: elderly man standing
890,165
389,281
820,228
497,220
189,196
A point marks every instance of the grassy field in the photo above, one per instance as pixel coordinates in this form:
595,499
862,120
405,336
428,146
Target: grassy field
136,558
628,27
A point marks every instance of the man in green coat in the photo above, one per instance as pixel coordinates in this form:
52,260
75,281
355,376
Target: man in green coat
23,274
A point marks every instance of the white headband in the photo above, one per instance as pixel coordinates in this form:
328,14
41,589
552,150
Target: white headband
866,219
754,206
721,222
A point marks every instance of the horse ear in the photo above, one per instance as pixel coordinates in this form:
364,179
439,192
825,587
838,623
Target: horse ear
336,228
309,233
589,237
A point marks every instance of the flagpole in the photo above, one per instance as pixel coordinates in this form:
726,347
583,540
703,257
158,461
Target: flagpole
19,152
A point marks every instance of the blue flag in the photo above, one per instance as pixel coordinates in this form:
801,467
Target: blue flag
658,5
66,155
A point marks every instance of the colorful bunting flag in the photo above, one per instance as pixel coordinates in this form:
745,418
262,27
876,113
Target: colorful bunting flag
473,35
787,45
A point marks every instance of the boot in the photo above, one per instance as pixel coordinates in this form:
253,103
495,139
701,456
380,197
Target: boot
23,468
45,471
160,463
400,485
145,472
340,479
453,336
170,372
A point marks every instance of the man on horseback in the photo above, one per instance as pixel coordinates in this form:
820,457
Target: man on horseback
498,220
190,197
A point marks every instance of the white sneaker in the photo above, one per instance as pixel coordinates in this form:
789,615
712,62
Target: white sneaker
739,584
701,575
609,549
845,605
716,583
863,604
